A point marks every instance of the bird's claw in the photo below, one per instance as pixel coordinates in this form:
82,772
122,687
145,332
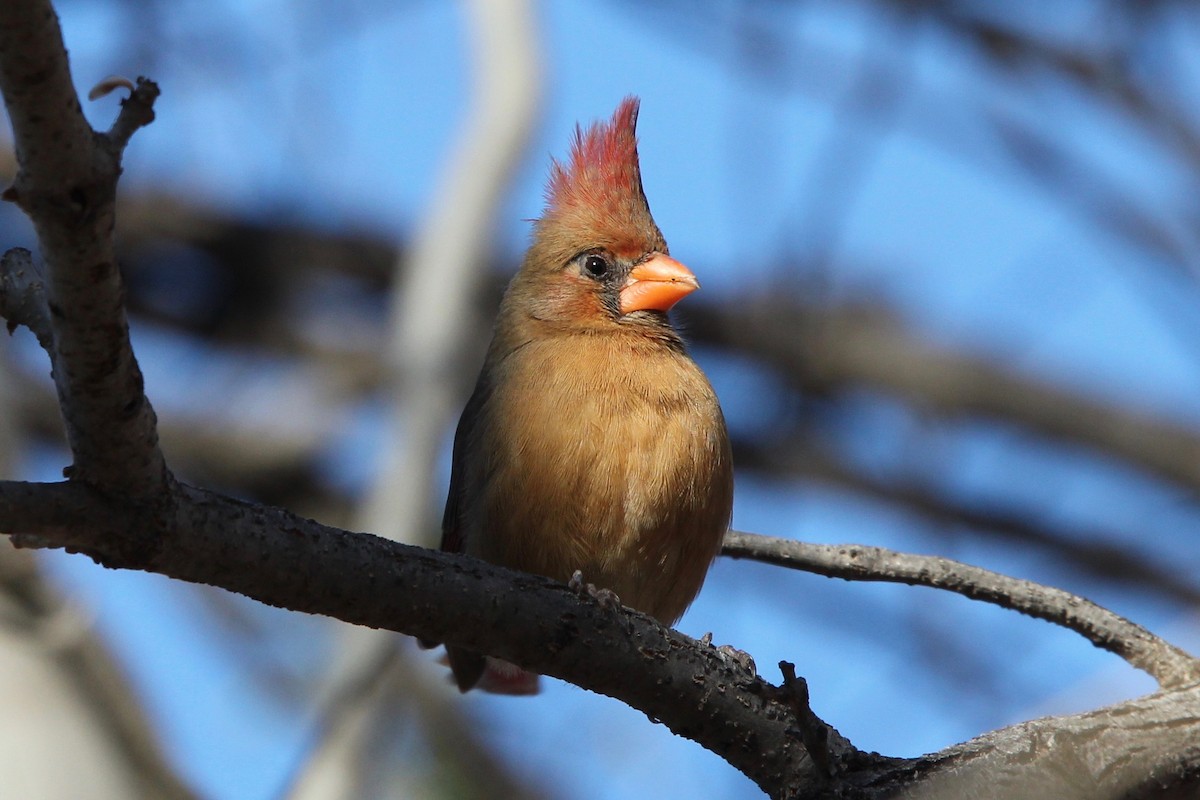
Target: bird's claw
607,598
729,653
576,583
739,657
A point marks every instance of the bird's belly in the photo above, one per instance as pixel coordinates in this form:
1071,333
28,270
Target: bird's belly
637,501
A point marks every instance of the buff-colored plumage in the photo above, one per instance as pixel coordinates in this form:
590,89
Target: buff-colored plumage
592,441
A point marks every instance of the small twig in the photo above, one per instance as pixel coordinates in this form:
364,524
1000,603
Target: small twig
23,297
1167,664
1104,558
137,111
813,732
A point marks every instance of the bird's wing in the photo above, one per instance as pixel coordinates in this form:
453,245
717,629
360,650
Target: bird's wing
453,535
468,667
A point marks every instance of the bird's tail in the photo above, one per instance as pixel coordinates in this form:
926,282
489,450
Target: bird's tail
492,675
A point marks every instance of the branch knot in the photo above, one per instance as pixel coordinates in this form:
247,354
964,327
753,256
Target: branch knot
23,296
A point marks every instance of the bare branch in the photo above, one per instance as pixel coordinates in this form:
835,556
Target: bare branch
283,560
1167,664
137,111
1143,748
691,687
1109,554
66,182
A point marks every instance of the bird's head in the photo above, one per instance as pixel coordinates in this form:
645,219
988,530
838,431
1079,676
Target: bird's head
597,257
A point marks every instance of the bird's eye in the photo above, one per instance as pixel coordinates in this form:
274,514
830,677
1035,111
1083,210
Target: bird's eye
595,265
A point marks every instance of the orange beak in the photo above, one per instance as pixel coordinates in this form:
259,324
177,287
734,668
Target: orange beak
656,284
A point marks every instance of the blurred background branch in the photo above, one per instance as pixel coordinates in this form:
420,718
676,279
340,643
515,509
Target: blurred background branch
374,681
67,701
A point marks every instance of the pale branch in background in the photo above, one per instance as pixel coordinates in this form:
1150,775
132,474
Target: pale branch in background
349,709
397,689
431,330
428,340
1170,666
48,647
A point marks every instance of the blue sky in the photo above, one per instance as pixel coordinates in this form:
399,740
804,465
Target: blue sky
920,203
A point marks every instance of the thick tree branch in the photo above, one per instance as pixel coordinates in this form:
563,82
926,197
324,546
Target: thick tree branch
66,182
283,560
1143,749
1168,665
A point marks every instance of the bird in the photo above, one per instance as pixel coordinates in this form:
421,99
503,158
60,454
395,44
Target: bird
592,446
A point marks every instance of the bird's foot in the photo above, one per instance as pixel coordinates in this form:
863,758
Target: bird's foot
607,598
739,657
729,653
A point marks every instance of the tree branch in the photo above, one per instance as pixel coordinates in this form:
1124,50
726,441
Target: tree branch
66,182
1138,750
283,560
1167,664
1106,556
693,688
137,111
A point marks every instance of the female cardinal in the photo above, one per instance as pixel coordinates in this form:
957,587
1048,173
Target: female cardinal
592,442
